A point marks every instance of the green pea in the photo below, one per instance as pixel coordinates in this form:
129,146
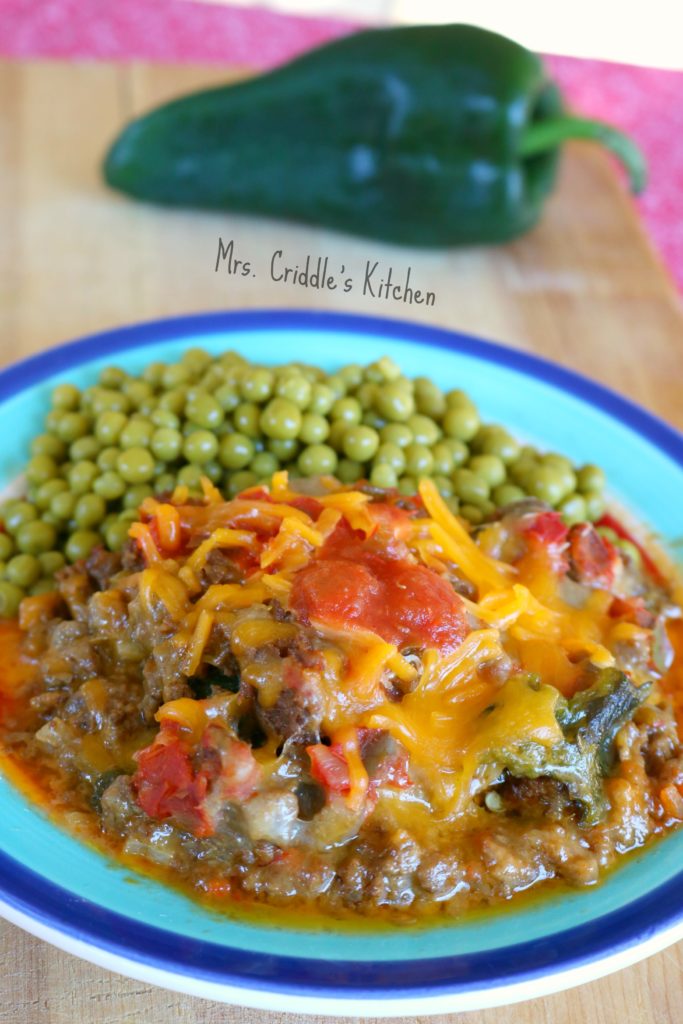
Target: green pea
281,419
137,433
48,444
82,475
227,397
241,481
116,535
23,570
590,478
429,399
87,447
348,471
112,377
461,422
352,375
200,446
507,494
213,470
196,359
382,370
108,427
264,464
205,411
294,389
11,597
490,467
166,444
425,431
458,450
49,517
470,487
190,476
595,504
396,433
314,428
419,460
444,485
495,440
6,547
456,397
108,459
153,373
109,401
173,401
51,562
383,476
90,510
36,537
394,402
135,496
366,394
236,451
137,392
136,465
257,385
212,379
72,425
317,460
63,505
322,399
573,509
130,515
40,469
472,513
284,449
360,443
390,455
336,385
546,483
246,419
444,463
17,514
66,396
80,544
164,483
407,485
347,409
165,418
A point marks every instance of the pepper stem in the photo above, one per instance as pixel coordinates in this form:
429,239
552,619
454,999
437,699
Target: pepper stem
540,136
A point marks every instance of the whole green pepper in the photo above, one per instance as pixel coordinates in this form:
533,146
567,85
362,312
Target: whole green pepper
425,135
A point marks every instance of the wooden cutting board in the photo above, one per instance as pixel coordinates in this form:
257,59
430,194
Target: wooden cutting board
584,289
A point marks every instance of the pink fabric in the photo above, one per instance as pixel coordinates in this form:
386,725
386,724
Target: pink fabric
647,103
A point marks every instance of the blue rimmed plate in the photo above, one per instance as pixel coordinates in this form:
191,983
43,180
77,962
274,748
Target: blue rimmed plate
70,895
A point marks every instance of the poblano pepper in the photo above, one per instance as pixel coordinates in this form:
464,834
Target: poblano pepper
427,135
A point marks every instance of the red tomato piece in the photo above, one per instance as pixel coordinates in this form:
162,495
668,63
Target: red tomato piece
548,528
166,784
329,767
633,609
594,560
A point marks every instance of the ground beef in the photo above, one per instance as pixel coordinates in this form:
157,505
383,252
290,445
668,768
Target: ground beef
219,568
102,565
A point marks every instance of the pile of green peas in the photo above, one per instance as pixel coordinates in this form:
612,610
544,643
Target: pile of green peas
106,448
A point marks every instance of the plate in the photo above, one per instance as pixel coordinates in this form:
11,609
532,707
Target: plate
67,893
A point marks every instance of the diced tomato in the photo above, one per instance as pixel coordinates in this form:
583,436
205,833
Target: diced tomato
633,609
404,603
308,505
548,528
594,560
166,784
613,524
393,770
191,786
329,767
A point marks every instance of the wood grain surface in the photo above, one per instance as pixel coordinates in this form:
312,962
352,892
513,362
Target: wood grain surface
584,289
